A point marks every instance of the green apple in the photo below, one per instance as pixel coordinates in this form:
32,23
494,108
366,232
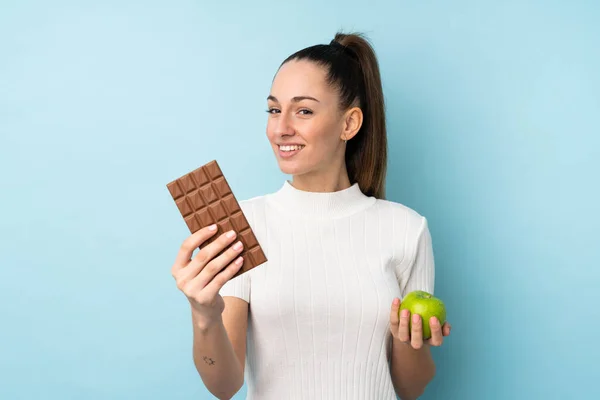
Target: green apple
427,306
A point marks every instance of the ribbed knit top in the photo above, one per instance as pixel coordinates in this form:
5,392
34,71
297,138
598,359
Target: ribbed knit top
318,324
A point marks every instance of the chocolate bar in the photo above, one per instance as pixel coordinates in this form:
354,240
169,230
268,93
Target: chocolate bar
203,198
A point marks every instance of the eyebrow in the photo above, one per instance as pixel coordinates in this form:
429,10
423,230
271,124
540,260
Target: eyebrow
296,99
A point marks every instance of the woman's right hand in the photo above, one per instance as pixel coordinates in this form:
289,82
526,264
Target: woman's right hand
200,278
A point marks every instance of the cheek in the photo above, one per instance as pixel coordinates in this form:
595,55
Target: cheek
270,131
321,134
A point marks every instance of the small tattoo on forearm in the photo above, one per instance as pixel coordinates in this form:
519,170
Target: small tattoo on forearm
209,360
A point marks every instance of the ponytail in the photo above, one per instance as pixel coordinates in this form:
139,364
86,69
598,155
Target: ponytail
354,71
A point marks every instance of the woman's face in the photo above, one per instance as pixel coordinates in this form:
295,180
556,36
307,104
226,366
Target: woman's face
305,125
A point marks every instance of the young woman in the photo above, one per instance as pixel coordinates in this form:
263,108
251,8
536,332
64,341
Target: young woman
320,319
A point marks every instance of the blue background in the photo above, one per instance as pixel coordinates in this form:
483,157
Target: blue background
494,125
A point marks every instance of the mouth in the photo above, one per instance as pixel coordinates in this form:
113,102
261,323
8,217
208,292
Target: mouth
287,151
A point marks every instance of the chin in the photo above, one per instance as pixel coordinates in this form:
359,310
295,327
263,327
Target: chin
290,168
297,165
293,167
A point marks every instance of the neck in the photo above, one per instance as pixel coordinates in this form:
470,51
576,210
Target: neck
335,180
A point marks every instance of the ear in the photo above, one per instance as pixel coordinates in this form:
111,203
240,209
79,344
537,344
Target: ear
353,119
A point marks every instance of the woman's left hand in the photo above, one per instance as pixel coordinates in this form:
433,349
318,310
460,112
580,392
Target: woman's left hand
399,325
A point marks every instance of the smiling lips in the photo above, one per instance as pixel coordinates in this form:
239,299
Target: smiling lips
286,151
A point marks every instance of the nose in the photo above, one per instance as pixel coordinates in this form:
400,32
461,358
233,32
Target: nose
284,126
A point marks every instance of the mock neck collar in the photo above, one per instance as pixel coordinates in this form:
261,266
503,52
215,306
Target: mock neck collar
321,205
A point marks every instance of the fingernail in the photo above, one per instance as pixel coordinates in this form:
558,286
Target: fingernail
230,234
415,318
212,227
237,246
396,302
239,260
433,321
405,313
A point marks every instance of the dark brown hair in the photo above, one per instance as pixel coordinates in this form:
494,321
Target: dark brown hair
354,71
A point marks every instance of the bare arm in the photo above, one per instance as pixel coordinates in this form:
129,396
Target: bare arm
411,369
220,349
219,331
412,366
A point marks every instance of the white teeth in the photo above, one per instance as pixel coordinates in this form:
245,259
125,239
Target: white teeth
290,148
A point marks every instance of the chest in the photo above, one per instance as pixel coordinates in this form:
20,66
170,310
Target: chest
339,272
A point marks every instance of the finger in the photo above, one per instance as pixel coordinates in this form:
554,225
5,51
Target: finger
394,317
416,334
446,328
436,332
190,244
404,328
187,274
209,252
217,264
205,273
213,287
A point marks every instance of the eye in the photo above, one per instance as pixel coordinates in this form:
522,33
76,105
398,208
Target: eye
270,110
307,112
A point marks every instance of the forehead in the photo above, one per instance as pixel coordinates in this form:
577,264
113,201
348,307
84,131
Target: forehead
300,78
